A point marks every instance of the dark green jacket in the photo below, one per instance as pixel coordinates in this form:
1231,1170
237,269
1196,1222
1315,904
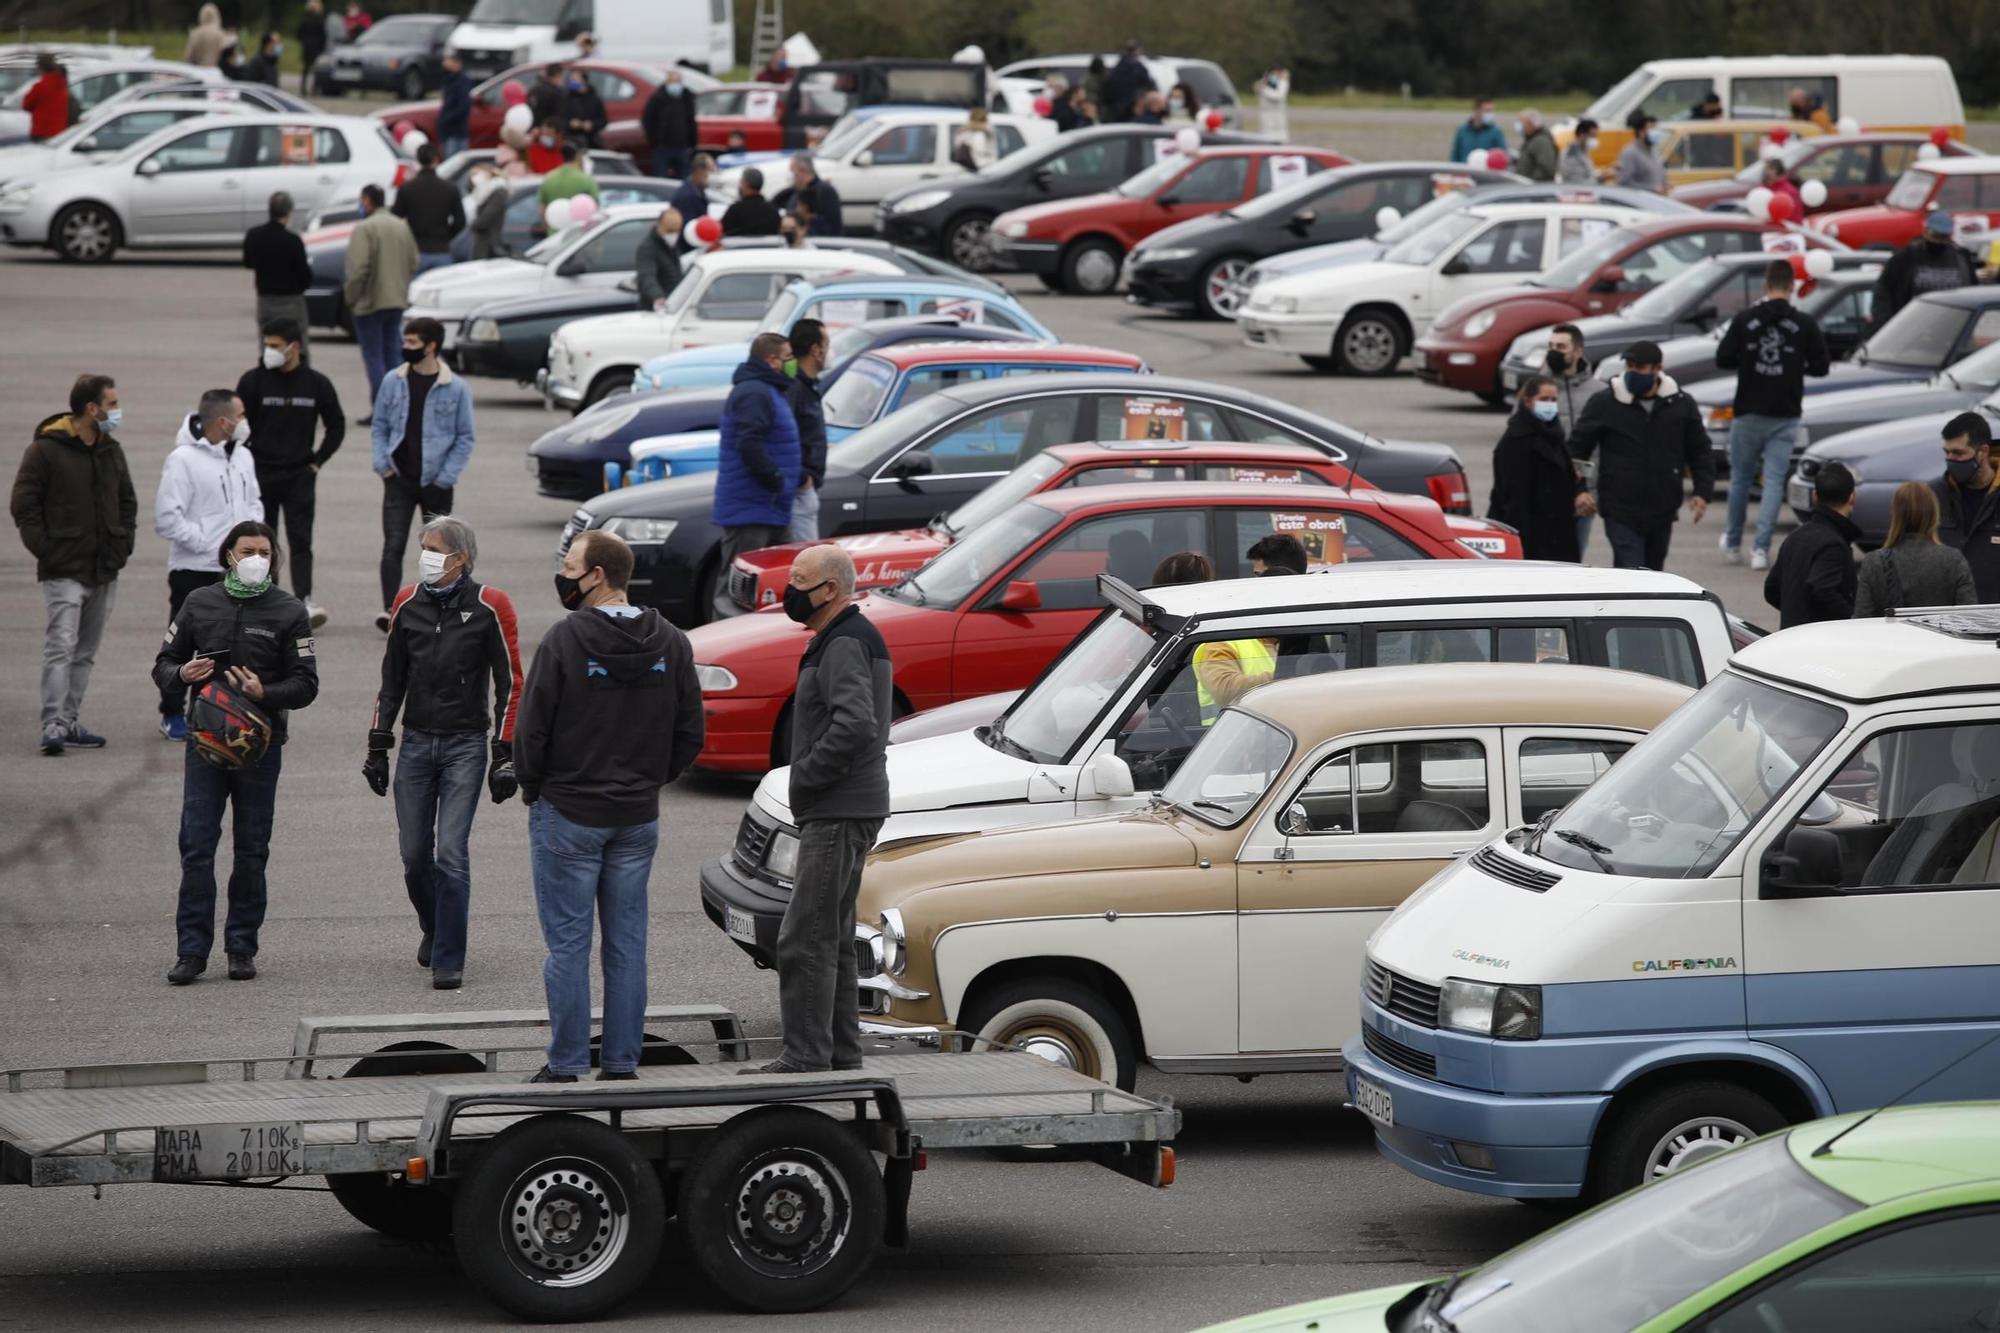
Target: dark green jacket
74,504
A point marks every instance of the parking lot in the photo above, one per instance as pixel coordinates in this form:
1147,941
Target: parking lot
1281,1195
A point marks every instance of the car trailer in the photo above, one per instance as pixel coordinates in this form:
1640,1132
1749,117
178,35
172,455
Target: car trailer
556,1196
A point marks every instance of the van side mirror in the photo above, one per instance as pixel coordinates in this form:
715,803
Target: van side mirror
1105,776
1807,866
1021,595
1610,280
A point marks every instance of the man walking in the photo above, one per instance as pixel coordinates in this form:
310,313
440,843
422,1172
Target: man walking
1571,370
691,199
1814,577
840,796
434,210
284,400
658,263
1772,347
381,260
809,344
1538,158
758,465
612,713
277,256
1651,436
454,121
751,214
76,511
1638,165
1931,263
423,437
208,486
818,194
1969,500
669,124
1481,130
448,634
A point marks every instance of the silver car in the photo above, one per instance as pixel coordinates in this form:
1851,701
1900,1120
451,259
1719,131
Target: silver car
93,82
103,135
200,183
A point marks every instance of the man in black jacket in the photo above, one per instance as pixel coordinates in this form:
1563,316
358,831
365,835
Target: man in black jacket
583,114
612,714
448,634
669,124
286,401
823,216
434,210
545,96
276,255
1772,347
253,635
1931,263
1651,438
658,263
1814,576
840,796
751,214
1969,500
809,346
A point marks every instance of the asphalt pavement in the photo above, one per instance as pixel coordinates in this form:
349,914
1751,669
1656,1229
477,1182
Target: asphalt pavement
1281,1194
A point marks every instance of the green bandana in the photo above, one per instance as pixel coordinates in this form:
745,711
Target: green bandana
237,588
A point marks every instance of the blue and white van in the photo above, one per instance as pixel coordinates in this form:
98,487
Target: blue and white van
1783,903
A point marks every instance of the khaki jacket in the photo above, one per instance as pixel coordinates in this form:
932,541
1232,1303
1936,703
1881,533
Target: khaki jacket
381,260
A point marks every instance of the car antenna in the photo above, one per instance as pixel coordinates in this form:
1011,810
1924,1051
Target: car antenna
1827,1147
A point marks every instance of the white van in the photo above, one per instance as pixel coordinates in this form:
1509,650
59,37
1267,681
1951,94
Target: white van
1782,904
1879,92
502,33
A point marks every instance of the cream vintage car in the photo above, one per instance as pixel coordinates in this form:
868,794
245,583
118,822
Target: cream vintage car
1221,930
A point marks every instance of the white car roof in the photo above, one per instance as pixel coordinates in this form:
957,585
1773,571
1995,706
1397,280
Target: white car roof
1453,581
1977,165
1916,653
945,115
1555,209
777,257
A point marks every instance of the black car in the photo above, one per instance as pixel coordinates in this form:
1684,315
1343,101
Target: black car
569,460
936,453
950,217
1189,265
403,53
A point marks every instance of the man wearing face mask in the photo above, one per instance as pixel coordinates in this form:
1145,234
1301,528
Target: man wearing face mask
1969,500
1931,263
1576,167
669,124
423,438
1638,165
583,111
658,263
808,363
1772,347
1649,438
448,635
612,713
1481,131
1570,369
285,400
691,199
815,190
249,637
758,463
1537,159
208,486
839,796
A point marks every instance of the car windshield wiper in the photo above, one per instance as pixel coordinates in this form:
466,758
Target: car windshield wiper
1211,805
1532,844
908,585
1594,849
1004,743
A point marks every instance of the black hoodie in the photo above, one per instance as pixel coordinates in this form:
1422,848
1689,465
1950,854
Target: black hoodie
611,714
284,409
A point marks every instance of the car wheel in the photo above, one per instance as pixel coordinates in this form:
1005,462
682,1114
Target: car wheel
1090,268
965,242
86,233
1369,343
607,385
1061,1021
1674,1127
413,85
1218,292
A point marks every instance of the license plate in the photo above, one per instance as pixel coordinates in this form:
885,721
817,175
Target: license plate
739,925
1374,1102
346,72
229,1152
1511,379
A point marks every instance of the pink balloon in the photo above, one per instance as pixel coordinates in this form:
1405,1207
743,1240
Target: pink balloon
582,208
1043,106
399,129
512,93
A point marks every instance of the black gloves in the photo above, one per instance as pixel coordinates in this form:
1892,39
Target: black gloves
375,767
500,776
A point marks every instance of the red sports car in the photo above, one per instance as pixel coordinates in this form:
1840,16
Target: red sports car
1958,185
623,86
1079,245
993,609
1857,169
1468,338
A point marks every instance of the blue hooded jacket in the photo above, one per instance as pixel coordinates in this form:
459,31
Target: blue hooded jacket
759,463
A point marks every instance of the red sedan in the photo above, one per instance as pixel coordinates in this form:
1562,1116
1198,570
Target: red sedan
1079,245
992,610
1960,186
1856,169
623,86
754,110
1465,343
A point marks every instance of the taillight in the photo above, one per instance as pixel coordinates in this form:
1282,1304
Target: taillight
1451,490
404,170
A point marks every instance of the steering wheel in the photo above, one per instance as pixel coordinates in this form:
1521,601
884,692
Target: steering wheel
1181,733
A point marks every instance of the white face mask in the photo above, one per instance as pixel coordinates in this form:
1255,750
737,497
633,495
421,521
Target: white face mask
253,569
430,565
241,434
274,358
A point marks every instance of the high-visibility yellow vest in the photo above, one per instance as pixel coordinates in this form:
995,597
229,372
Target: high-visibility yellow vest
1255,657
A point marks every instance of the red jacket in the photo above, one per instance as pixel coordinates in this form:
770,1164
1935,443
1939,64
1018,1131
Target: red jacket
47,105
541,160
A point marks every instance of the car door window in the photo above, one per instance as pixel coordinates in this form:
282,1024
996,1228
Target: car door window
1650,265
1958,193
1219,180
737,295
1675,99
203,150
611,87
1554,770
1127,546
994,440
1579,232
905,146
1007,139
1505,247
1932,1273
845,312
1329,536
1714,152
616,247
1837,166
126,130
1770,98
1156,417
1652,648
1847,317
1893,159
1340,211
296,146
1097,166
1413,645
921,384
1739,291
1414,786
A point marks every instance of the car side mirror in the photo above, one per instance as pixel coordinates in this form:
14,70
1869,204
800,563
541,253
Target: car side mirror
1302,221
87,144
1294,821
1808,865
865,158
1023,595
571,267
628,284
1455,266
150,167
1043,179
1706,317
1168,201
913,463
1106,775
1610,280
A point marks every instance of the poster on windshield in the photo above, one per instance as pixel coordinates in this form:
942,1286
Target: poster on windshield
1323,535
1784,243
964,309
760,104
298,146
843,314
1165,147
1155,419
1287,169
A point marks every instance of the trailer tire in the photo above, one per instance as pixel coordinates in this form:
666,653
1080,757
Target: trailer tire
783,1209
561,1219
377,1201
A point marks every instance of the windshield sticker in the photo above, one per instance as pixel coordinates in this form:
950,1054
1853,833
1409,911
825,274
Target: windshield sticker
1155,419
965,309
1323,535
1444,183
843,314
1784,243
760,104
1272,476
298,146
1684,965
1287,169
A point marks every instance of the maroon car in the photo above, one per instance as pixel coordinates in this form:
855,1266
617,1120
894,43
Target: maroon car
623,85
1857,170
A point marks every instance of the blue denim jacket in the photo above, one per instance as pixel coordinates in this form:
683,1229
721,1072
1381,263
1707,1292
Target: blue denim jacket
447,424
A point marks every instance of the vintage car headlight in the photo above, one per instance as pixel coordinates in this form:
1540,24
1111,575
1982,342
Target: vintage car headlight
483,331
641,531
1511,1013
919,201
713,679
1014,230
894,956
1479,323
782,859
1164,255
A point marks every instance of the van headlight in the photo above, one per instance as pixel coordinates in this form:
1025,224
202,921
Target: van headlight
1511,1013
894,956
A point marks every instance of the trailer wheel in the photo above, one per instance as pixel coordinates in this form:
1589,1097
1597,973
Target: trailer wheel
783,1208
561,1219
380,1202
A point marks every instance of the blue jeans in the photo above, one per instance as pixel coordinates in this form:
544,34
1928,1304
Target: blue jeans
451,145
437,792
426,261
253,794
381,337
673,164
1758,443
580,870
805,512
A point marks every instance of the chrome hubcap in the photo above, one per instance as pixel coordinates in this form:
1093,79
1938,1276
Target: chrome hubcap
1096,271
568,1223
1225,291
1694,1141
1369,344
1055,1051
86,235
791,1213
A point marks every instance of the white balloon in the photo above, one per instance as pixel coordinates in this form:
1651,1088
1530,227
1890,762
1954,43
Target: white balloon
518,117
1758,204
1188,140
1819,263
1848,125
1928,151
1386,217
1813,193
1767,149
1476,159
557,214
414,140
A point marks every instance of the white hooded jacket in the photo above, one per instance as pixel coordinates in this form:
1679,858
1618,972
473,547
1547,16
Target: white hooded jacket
205,490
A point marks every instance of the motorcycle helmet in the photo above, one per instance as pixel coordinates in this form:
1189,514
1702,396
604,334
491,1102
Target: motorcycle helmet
226,728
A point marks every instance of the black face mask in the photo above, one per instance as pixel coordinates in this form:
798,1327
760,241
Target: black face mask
799,603
1556,361
412,355
569,591
1964,471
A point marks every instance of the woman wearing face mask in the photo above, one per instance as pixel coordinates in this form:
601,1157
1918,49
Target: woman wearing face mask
448,635
249,641
1183,107
1576,168
1536,487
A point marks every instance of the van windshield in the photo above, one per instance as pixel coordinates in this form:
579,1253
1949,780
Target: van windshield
1610,109
1686,795
1050,717
543,12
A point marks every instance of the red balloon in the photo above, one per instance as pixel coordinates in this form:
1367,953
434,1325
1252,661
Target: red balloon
1212,118
401,128
1784,208
1497,159
1798,263
1044,107
1940,136
512,93
1781,136
707,230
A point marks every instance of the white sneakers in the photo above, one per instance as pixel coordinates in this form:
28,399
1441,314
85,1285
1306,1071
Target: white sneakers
315,613
1760,559
1731,554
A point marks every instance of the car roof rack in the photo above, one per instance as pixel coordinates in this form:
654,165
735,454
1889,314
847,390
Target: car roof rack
1960,622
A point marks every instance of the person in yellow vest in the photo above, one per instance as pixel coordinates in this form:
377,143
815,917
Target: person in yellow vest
1227,669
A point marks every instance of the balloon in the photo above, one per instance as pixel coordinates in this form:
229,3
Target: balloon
582,208
556,214
1814,193
1847,125
1497,159
1768,150
707,230
1782,208
1781,136
1044,107
512,93
1188,139
1800,269
1386,217
399,129
1927,152
1757,204
1476,159
1819,263
412,141
1940,136
1212,119
518,117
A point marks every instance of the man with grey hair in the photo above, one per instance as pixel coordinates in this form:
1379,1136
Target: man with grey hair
443,646
840,796
821,199
1538,158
